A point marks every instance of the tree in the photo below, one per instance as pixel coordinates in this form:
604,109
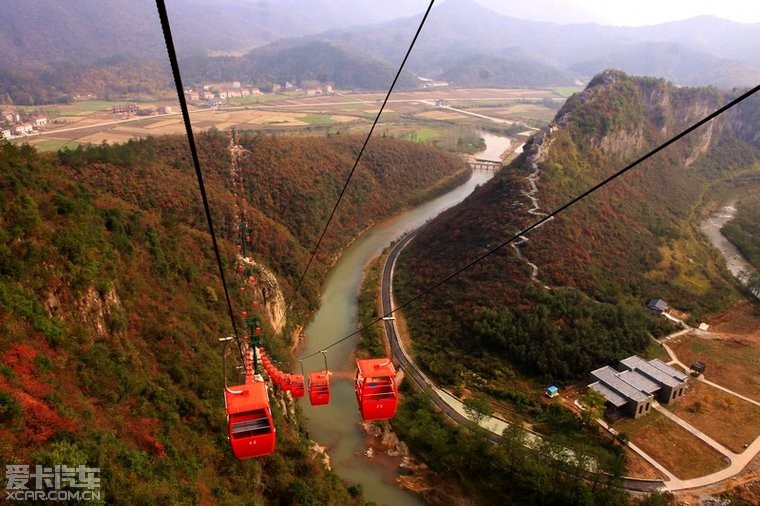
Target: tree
477,408
593,404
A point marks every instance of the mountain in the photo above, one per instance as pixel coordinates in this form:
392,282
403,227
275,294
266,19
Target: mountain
551,11
85,31
675,62
298,60
462,42
726,56
78,32
482,71
599,261
111,306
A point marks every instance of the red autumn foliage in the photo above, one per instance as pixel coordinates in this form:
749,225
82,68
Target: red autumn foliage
41,422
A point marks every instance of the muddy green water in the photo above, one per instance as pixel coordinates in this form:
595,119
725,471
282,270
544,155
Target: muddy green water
337,425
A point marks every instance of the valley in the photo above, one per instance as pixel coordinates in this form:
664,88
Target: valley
409,114
425,117
606,357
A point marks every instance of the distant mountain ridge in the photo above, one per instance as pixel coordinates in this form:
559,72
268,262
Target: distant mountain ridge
299,60
85,31
720,52
462,42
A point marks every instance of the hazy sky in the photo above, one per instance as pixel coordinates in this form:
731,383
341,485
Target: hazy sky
648,12
624,12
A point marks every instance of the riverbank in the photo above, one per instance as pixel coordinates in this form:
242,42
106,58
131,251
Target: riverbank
736,264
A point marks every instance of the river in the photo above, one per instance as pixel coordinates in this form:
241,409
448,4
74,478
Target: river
735,262
337,425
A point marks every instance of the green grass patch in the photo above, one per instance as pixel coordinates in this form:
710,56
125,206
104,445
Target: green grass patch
318,119
253,99
90,106
55,144
655,350
423,135
566,91
371,343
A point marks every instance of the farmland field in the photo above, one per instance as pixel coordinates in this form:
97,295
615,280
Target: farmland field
93,122
674,447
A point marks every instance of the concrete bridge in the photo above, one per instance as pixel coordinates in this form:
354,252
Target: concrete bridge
480,163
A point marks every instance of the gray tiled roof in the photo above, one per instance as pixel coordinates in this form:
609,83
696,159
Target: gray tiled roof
662,366
652,371
610,377
639,381
616,399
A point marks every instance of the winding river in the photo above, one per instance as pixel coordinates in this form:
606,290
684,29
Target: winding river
337,425
735,262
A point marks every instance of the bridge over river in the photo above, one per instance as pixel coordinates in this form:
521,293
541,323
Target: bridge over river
482,163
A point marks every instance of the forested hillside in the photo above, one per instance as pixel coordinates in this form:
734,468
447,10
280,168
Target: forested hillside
110,79
600,261
299,60
111,306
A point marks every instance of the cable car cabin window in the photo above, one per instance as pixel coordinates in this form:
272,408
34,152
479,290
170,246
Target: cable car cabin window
249,424
379,388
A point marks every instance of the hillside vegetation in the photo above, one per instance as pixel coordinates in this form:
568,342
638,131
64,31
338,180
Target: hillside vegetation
111,307
302,60
598,262
110,80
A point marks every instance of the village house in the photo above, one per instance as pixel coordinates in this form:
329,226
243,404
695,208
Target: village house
6,133
630,390
40,121
23,129
11,116
125,109
658,305
192,95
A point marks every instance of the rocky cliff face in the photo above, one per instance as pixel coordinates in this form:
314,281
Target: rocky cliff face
621,115
100,314
267,290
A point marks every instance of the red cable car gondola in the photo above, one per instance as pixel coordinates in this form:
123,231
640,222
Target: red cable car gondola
297,386
276,376
319,386
249,420
250,426
376,389
286,381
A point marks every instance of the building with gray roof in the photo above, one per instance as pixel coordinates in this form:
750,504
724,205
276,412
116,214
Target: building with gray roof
631,390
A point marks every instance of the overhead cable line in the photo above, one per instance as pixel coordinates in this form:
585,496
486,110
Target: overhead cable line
196,162
554,213
359,156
